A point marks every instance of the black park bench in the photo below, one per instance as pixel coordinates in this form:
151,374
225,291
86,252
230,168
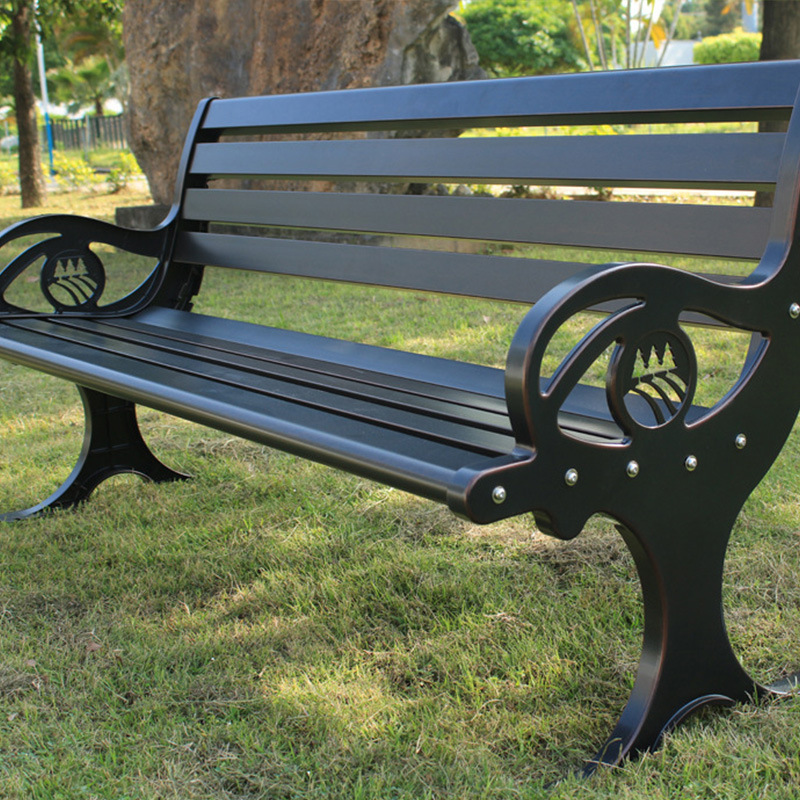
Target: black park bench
537,436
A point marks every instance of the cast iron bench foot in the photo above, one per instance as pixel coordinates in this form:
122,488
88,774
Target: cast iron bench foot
657,706
687,662
112,445
653,711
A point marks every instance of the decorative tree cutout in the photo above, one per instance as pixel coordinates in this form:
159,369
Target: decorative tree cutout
659,370
73,280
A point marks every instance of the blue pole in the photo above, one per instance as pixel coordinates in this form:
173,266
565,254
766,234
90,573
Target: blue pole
45,98
49,129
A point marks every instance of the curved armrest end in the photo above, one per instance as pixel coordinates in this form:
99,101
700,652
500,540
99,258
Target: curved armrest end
73,277
82,230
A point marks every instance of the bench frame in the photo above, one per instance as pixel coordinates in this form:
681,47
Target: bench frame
686,660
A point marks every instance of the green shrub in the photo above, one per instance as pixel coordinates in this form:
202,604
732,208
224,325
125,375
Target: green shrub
74,173
121,174
9,180
522,37
728,47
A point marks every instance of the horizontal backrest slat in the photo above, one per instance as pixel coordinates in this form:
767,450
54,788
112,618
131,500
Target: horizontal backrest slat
494,277
677,160
725,92
717,231
521,280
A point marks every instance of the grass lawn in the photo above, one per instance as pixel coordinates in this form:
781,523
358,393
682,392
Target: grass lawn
275,629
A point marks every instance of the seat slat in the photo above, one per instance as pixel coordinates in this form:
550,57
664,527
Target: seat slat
445,393
472,392
717,231
378,388
135,351
708,161
714,93
440,376
415,464
229,374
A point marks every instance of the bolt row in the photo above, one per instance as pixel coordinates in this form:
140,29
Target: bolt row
632,468
499,493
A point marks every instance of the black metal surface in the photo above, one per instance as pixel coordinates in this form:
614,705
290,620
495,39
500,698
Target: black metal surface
497,277
389,407
440,376
489,443
425,376
70,247
414,464
517,280
675,519
467,388
700,161
179,283
721,231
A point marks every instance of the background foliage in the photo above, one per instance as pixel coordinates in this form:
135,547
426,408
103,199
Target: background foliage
529,37
523,37
727,48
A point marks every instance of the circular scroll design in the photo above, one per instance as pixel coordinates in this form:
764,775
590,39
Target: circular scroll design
73,280
653,380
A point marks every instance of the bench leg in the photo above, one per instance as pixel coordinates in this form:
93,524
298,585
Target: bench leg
112,445
687,661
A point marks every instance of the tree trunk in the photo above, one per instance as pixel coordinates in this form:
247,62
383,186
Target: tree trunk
781,30
780,39
31,178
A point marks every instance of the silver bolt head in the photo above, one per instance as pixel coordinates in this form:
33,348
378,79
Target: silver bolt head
499,495
690,463
794,310
741,441
571,477
632,470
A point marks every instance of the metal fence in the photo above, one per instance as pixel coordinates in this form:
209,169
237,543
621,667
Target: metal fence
88,133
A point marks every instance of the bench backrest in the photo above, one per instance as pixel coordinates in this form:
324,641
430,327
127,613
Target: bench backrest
361,138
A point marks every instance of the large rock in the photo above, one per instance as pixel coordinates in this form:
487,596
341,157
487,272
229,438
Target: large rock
179,51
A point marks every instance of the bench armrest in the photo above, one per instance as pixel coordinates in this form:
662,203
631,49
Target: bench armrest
650,381
70,262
